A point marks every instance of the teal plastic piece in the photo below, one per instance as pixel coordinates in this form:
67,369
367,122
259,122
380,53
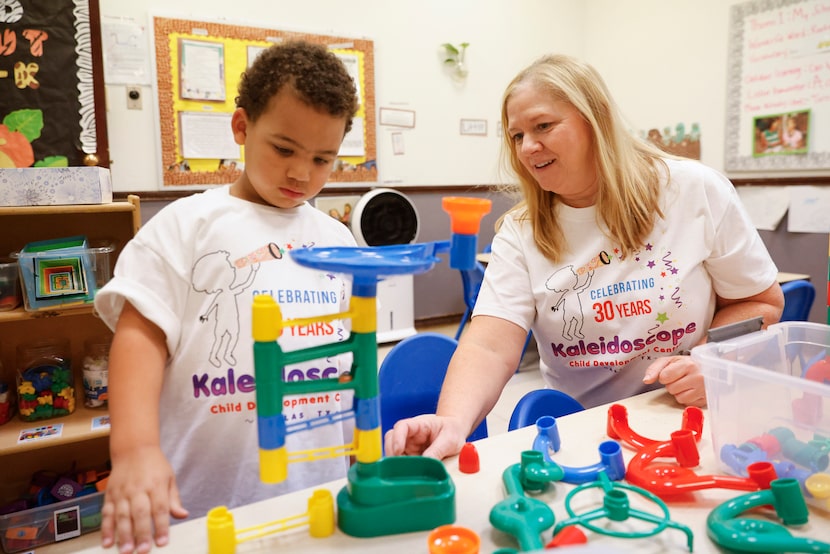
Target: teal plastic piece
523,517
806,454
616,507
399,494
727,529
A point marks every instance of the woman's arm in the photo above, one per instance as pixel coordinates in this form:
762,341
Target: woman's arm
769,304
487,356
681,375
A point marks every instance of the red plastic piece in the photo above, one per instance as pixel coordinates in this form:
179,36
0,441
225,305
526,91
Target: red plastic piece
667,479
568,536
617,426
468,461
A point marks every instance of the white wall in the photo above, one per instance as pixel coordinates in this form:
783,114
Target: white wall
665,62
504,35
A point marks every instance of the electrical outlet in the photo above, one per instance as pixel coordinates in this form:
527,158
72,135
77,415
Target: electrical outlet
133,98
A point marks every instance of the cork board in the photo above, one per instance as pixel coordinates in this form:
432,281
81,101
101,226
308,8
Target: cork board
233,45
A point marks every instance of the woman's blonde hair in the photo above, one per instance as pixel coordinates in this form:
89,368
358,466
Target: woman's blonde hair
628,169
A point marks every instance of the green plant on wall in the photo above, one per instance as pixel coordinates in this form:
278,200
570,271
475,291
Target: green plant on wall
455,58
17,132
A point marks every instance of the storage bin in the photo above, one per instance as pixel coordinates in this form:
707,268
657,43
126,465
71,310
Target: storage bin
769,400
62,272
9,284
45,381
44,525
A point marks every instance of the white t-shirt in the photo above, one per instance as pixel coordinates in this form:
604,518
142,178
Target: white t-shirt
193,270
599,320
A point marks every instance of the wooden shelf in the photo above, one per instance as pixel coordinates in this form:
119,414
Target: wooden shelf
78,446
127,206
77,426
19,314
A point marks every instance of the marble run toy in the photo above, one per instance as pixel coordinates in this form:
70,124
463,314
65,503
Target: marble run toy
727,529
520,515
673,479
617,507
805,462
384,496
617,426
223,535
610,455
807,409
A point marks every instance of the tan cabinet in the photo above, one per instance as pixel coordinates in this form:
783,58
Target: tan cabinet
78,445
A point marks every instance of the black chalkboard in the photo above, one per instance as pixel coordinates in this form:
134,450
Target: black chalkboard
51,84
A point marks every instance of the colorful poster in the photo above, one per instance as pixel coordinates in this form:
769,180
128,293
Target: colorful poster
47,102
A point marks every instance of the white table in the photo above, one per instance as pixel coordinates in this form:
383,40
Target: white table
654,415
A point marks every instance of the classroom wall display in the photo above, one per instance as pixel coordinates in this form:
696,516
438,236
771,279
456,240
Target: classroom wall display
678,140
198,64
781,134
778,82
52,111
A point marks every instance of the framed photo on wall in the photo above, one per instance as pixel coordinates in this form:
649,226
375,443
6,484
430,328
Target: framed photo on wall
781,134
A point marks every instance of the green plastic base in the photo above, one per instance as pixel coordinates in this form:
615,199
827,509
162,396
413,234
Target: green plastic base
399,494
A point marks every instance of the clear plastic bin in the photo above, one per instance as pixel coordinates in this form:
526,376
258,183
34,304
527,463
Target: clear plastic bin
65,278
45,381
28,529
769,400
9,284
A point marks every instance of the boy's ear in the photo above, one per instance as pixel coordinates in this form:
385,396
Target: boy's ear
239,125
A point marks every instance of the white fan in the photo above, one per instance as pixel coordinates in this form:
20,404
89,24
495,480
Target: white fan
382,217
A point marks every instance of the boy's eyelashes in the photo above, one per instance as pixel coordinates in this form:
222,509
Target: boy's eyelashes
286,152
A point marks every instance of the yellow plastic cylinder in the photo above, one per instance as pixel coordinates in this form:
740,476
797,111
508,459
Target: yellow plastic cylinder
321,514
273,465
369,447
221,531
266,319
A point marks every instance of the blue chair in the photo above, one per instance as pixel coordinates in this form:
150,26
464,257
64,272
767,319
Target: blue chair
798,299
410,379
542,402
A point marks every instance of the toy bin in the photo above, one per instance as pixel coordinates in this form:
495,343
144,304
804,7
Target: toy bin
9,285
45,381
769,400
63,272
29,529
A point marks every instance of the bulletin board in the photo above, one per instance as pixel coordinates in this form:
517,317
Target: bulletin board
52,111
778,74
193,106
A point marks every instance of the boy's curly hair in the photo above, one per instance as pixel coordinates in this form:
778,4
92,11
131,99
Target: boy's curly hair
315,75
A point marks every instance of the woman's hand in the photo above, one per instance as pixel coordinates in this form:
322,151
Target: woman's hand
141,496
682,378
426,435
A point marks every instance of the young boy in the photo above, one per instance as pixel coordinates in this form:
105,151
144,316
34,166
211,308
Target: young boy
181,385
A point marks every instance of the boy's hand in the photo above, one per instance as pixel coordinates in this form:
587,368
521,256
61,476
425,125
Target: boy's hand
681,377
141,496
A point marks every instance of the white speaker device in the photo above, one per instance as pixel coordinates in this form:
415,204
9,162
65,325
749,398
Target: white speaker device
381,217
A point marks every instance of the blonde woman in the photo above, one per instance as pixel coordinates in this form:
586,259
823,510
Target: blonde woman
619,258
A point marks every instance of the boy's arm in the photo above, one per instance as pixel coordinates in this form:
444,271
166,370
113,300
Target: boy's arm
141,491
